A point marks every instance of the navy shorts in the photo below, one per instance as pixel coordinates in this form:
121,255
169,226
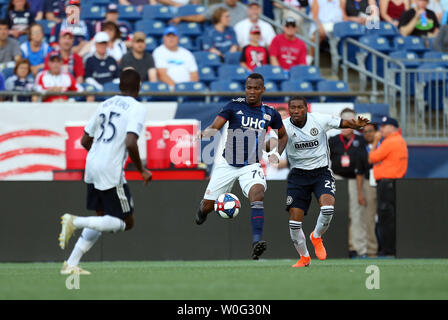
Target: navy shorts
303,183
115,202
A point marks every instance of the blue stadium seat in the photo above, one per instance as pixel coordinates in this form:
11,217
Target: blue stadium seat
190,10
376,110
272,73
205,58
334,86
7,72
88,87
305,73
99,2
225,86
152,28
386,29
436,84
187,43
299,87
129,13
157,12
233,72
410,43
271,86
232,58
151,43
436,57
377,43
190,87
47,25
93,12
156,87
193,29
409,60
347,29
207,75
111,87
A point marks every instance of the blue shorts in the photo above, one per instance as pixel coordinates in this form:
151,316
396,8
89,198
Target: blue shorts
115,202
303,183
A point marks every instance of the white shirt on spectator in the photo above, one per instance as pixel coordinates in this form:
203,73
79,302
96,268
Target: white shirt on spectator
179,64
242,30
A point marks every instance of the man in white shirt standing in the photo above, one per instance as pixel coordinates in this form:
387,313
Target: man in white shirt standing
242,28
110,135
174,64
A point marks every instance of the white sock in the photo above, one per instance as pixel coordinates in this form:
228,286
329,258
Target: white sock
103,224
323,221
298,237
85,242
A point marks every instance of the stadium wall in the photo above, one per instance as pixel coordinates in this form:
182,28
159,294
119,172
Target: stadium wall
165,228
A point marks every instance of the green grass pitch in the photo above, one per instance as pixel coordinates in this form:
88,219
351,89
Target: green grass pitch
230,280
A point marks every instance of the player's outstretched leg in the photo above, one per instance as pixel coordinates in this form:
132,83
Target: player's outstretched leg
323,222
298,237
256,197
205,208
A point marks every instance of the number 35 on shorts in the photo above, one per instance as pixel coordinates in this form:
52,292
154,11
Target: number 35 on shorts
330,184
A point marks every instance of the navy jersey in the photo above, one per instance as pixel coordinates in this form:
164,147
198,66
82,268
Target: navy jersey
247,129
102,70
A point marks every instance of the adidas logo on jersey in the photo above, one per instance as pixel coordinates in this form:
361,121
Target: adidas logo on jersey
240,112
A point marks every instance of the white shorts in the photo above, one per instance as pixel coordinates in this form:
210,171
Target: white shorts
224,176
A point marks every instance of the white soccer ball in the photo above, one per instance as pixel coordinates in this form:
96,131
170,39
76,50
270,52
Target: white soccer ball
227,206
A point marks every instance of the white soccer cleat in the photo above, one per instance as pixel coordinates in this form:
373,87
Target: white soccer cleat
67,229
66,270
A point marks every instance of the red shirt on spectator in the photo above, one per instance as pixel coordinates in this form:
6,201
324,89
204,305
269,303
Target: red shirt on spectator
73,65
288,53
254,56
47,80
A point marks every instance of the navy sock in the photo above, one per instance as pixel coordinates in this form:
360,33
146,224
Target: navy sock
257,220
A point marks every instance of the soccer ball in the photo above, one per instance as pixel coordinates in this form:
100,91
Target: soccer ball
227,206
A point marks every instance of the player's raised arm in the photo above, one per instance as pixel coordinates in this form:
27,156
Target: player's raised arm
132,147
354,124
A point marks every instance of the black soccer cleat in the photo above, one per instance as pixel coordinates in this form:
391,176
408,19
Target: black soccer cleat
258,249
200,217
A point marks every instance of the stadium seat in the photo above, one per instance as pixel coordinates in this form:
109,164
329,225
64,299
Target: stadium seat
233,73
272,73
152,28
409,60
376,110
129,13
334,86
99,2
192,29
190,10
232,58
410,43
436,57
151,43
47,25
157,12
347,29
432,79
88,88
299,87
93,12
111,87
385,29
225,86
377,43
271,86
305,73
187,43
205,58
7,72
207,75
190,87
156,87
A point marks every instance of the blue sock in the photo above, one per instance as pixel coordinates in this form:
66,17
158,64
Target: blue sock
257,220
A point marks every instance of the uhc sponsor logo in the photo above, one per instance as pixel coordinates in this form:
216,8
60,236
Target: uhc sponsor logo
307,144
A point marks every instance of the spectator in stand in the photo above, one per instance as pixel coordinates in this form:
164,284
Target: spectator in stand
22,80
242,28
140,59
391,10
112,15
9,47
356,10
220,38
100,67
37,9
419,21
282,13
19,17
54,10
174,64
83,30
36,48
71,62
441,41
254,55
286,49
54,80
238,12
390,162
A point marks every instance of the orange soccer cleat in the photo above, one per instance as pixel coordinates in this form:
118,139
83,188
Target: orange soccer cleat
319,248
303,262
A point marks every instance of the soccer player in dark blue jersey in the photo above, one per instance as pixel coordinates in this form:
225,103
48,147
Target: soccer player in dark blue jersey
249,119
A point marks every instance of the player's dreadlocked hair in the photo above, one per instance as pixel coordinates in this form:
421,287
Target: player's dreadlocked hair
300,98
255,76
129,81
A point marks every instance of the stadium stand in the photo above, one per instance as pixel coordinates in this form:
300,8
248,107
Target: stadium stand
157,12
233,72
225,86
190,87
334,86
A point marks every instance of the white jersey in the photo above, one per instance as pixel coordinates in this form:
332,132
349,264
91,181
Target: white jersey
109,126
307,147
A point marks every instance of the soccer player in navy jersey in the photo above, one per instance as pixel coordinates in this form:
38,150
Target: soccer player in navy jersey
248,118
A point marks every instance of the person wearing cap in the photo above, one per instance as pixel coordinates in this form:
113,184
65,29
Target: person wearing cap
174,64
419,21
220,38
112,15
36,48
254,55
54,80
345,150
286,49
237,10
140,59
100,67
71,62
242,28
390,162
